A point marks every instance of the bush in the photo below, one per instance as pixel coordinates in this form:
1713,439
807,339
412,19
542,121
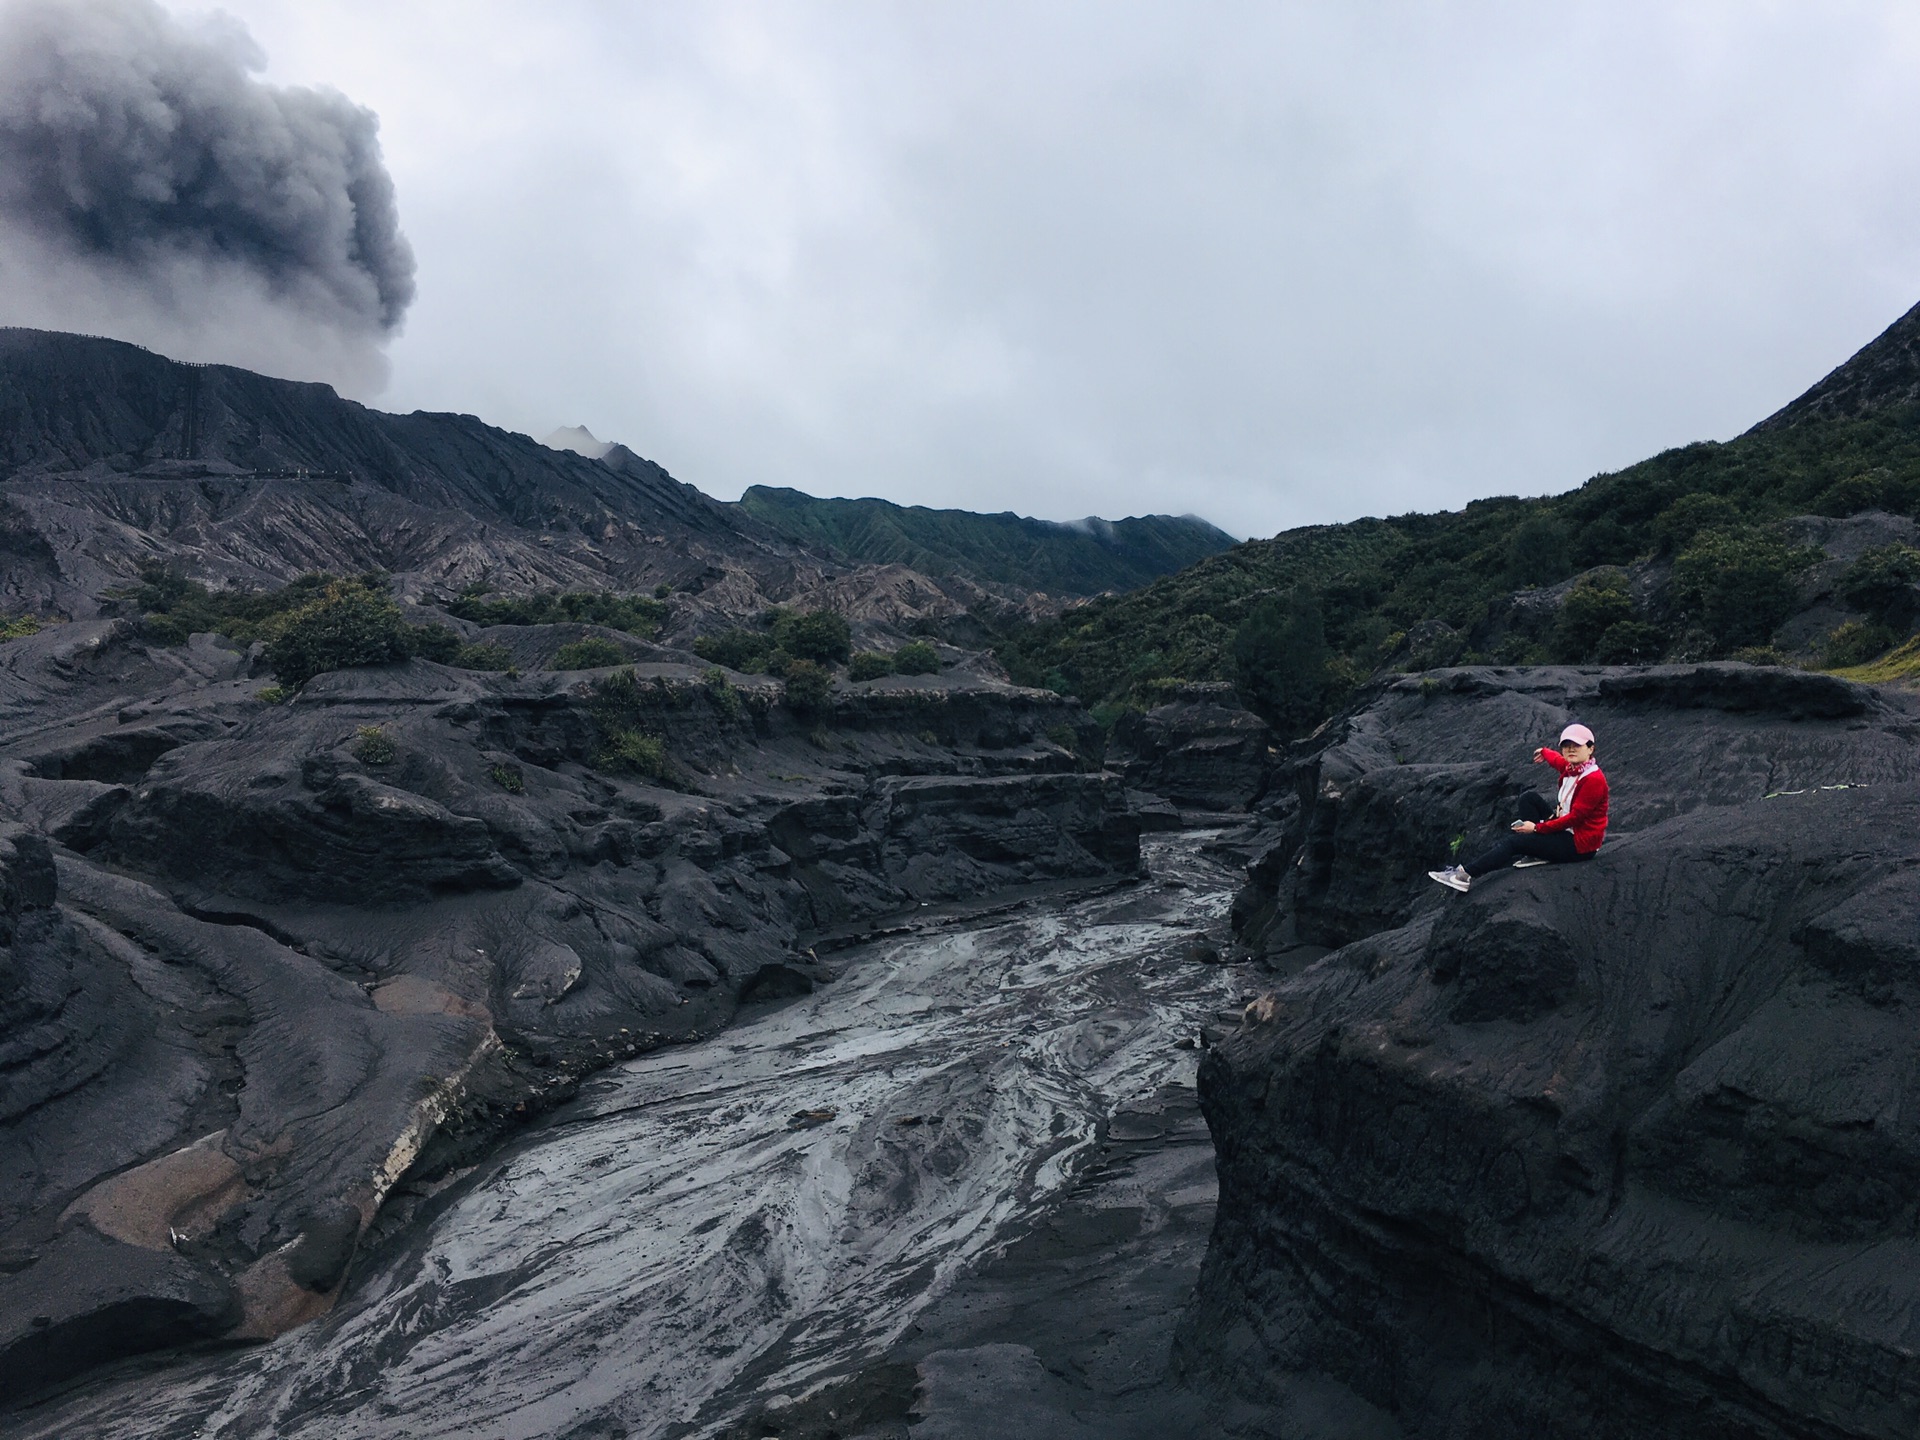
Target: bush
1537,553
486,656
1856,642
163,629
721,691
634,614
622,709
742,650
372,747
817,635
630,752
1631,642
431,642
808,686
1761,655
662,590
272,695
1591,608
869,665
1880,585
508,778
1280,659
916,658
348,623
1688,516
1739,584
592,653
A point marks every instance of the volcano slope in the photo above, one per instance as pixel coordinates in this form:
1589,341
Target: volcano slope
1630,1148
272,973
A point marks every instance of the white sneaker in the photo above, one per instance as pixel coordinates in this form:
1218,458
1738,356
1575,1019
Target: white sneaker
1525,860
1454,875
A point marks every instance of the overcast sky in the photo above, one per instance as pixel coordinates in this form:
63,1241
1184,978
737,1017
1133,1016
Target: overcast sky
1269,263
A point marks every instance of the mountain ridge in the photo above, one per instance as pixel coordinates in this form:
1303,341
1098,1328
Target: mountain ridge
1072,557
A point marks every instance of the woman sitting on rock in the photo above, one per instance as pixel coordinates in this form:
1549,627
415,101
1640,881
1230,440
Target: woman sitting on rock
1549,834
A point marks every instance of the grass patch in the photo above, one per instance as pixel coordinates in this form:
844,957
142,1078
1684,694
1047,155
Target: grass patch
592,653
373,746
508,778
1901,664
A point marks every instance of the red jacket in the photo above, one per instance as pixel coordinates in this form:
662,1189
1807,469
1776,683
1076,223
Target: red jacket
1587,814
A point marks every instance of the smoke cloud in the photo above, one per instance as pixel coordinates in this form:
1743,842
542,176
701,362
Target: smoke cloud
151,187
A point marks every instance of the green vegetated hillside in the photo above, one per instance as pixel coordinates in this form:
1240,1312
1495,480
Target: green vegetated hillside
1085,558
1681,556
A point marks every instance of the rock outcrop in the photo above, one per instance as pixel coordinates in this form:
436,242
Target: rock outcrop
1202,749
1620,1149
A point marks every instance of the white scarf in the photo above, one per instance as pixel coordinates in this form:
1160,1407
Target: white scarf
1567,783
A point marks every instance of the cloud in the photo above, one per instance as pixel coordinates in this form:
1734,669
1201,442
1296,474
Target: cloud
152,188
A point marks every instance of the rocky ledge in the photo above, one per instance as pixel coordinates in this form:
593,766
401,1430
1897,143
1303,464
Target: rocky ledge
1623,1149
272,973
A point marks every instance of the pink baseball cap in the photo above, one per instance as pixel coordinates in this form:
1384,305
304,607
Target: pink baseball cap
1579,734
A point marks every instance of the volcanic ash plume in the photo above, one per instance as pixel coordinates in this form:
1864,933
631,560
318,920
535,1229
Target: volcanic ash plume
151,188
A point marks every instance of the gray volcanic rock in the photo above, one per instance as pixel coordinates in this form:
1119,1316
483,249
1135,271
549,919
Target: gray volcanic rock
1620,1149
264,982
1202,750
1423,762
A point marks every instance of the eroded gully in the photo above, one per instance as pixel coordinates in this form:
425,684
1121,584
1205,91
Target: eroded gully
681,1242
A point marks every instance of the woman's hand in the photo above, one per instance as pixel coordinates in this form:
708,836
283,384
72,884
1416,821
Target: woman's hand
1524,827
1540,755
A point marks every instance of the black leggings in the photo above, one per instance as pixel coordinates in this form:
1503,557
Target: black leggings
1554,845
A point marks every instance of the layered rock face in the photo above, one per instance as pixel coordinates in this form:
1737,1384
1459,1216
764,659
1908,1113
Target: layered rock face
273,972
1201,750
1626,1148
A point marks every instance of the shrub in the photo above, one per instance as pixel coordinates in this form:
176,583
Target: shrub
869,665
917,658
1689,516
632,753
1856,642
1880,584
592,653
508,778
634,614
622,709
1631,642
720,690
272,695
817,635
486,656
431,642
1739,584
662,590
372,747
164,629
347,624
742,650
1761,655
807,687
1592,607
777,662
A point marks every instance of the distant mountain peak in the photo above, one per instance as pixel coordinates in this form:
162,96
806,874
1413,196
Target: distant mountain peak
1883,374
578,439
